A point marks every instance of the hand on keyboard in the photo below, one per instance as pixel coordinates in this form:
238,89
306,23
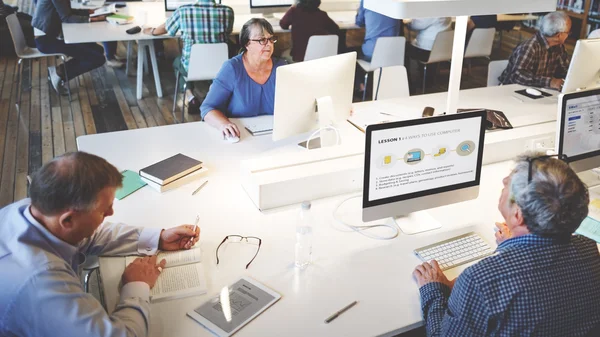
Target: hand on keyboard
431,272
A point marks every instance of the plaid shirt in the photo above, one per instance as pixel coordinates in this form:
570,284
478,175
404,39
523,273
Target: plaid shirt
533,286
202,22
534,63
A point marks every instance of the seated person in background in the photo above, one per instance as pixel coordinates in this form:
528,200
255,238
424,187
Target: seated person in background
43,241
427,30
306,20
201,22
542,281
49,17
376,25
245,85
24,20
541,61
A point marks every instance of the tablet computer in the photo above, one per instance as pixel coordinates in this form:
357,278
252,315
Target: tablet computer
234,307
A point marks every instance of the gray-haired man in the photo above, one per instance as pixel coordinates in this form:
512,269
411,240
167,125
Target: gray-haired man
42,238
543,281
541,61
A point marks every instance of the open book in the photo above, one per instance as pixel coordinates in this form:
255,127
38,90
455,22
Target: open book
105,10
183,275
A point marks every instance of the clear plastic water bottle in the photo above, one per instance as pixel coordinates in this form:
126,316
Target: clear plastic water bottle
304,236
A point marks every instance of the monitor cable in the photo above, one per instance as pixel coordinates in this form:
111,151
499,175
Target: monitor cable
328,127
364,229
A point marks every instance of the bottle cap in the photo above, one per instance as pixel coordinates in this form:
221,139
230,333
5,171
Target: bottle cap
306,205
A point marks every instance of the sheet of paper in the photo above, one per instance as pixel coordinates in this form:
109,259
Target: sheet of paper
180,278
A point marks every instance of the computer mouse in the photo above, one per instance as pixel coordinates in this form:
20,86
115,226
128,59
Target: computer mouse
232,139
533,92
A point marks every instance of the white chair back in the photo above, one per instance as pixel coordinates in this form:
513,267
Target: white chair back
442,47
481,42
388,51
16,32
495,69
594,34
206,60
393,83
320,46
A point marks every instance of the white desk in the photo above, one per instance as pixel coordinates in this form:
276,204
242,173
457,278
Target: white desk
347,266
104,32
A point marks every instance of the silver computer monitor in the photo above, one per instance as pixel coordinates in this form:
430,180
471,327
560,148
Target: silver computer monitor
419,164
300,85
270,6
584,70
578,129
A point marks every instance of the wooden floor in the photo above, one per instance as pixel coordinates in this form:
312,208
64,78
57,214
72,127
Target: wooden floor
45,125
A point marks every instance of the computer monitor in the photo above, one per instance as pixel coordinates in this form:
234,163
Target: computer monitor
268,7
578,129
419,164
300,85
584,70
172,5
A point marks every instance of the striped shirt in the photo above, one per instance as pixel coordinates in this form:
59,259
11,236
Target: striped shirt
202,22
534,63
533,286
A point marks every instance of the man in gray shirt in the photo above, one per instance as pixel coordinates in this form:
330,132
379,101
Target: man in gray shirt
43,239
49,17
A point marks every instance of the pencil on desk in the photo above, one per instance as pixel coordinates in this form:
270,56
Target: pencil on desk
200,187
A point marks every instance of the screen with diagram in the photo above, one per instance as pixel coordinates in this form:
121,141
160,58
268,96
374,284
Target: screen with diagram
581,129
417,158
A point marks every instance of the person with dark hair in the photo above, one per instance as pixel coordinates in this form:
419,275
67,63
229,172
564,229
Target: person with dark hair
542,281
201,22
306,20
49,17
43,241
245,85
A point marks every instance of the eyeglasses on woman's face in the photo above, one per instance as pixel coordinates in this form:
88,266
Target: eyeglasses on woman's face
265,40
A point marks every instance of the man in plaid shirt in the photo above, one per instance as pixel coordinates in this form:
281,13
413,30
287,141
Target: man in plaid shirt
542,281
541,61
201,22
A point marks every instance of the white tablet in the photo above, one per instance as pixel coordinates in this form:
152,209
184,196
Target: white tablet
234,307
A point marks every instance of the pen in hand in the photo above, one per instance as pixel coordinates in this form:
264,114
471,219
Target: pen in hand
194,229
334,316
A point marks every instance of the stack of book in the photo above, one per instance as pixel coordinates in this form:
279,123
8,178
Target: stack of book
172,172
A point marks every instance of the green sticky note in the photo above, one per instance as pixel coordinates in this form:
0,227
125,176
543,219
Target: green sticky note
131,183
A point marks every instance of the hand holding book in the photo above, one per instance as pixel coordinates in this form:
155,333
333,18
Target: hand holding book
144,269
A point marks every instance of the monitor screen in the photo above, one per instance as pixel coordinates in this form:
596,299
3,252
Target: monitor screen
580,125
172,5
416,158
271,3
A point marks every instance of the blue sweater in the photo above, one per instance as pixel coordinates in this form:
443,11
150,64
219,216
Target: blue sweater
236,95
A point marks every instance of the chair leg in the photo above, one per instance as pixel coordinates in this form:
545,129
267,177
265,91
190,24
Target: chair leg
64,59
365,83
127,57
176,91
424,76
183,103
18,84
378,84
86,280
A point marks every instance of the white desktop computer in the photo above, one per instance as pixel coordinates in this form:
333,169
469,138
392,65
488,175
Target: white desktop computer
313,95
268,7
578,131
172,5
419,164
584,70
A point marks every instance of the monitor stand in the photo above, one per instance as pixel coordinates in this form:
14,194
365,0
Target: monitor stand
417,222
326,116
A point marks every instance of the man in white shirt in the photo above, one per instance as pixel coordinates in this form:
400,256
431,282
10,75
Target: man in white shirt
44,239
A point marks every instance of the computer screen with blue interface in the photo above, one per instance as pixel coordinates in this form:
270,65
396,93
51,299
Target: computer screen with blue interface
581,129
416,158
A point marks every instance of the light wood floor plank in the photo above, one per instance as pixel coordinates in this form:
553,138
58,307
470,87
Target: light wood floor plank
46,112
22,160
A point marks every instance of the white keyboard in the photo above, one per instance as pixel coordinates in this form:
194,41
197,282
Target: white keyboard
456,251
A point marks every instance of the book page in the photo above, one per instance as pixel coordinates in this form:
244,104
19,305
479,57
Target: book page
176,258
179,281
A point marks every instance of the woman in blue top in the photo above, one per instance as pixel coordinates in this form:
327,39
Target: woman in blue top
245,85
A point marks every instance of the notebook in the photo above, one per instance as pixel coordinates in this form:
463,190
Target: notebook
196,175
260,125
131,183
183,275
104,10
170,169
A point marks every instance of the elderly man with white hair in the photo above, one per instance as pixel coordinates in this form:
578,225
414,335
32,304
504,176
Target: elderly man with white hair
541,61
542,280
